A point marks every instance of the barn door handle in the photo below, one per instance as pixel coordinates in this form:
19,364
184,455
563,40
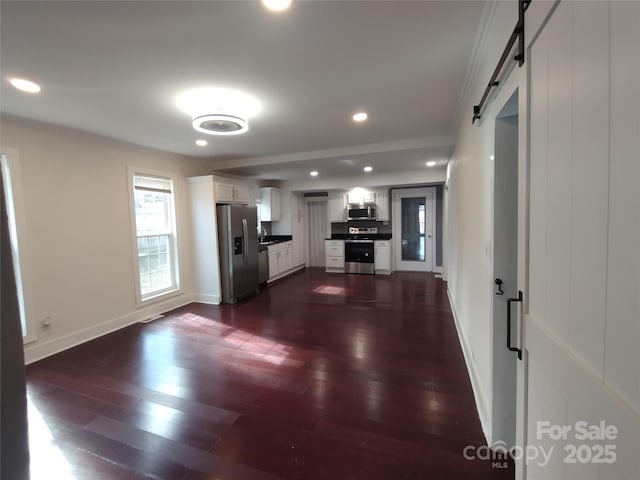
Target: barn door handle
509,300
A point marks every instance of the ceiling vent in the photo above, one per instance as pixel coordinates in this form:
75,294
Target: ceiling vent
219,124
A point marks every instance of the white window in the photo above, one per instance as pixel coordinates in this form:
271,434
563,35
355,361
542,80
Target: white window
155,235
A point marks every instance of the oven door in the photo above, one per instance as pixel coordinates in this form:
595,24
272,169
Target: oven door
358,256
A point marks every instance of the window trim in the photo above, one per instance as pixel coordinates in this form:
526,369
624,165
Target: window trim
175,289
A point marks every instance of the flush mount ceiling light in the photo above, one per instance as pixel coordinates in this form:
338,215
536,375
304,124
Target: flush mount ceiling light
219,124
313,174
202,143
431,164
25,85
360,117
276,5
219,111
368,169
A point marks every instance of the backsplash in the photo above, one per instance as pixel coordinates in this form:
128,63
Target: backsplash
343,228
267,226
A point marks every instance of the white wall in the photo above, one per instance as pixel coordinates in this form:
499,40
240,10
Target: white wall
582,311
78,232
469,207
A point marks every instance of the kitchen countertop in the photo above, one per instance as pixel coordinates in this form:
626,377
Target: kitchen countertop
274,239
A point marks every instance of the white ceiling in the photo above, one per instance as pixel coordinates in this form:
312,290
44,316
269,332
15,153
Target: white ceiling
115,68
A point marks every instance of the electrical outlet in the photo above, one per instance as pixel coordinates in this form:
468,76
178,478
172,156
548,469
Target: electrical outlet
45,323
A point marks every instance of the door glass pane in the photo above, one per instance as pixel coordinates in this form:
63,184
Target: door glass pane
413,227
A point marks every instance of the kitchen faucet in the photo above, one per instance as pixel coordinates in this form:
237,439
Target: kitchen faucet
262,232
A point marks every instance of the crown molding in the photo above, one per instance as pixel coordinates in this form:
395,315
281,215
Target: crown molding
475,63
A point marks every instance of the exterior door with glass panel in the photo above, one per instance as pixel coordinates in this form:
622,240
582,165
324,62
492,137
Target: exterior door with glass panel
413,229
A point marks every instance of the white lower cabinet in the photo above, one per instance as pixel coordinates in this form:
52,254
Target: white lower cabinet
280,259
274,267
288,256
382,257
334,255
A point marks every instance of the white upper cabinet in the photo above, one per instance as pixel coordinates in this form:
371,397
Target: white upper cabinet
270,204
382,205
224,192
354,197
231,193
337,207
368,197
360,196
242,194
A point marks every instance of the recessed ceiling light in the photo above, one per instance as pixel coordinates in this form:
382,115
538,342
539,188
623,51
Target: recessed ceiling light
276,5
202,143
431,164
25,85
360,117
313,174
368,169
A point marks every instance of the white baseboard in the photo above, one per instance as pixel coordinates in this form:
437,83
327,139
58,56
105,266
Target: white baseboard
287,273
482,404
38,350
207,298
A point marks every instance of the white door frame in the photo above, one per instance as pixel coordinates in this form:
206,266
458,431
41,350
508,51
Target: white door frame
516,84
430,228
505,267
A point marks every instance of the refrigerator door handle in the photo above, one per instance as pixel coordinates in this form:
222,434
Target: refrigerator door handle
245,238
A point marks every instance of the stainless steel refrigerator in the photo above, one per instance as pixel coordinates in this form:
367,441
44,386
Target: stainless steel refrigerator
238,244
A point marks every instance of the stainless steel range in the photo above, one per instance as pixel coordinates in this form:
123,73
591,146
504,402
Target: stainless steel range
359,250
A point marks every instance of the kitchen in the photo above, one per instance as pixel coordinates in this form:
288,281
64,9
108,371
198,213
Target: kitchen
356,236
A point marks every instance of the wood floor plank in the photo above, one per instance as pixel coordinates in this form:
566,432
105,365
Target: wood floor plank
319,376
193,458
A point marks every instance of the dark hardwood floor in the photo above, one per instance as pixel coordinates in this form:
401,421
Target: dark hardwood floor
320,376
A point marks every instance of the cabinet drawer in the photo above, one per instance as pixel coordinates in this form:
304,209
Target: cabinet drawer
335,262
335,251
334,243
